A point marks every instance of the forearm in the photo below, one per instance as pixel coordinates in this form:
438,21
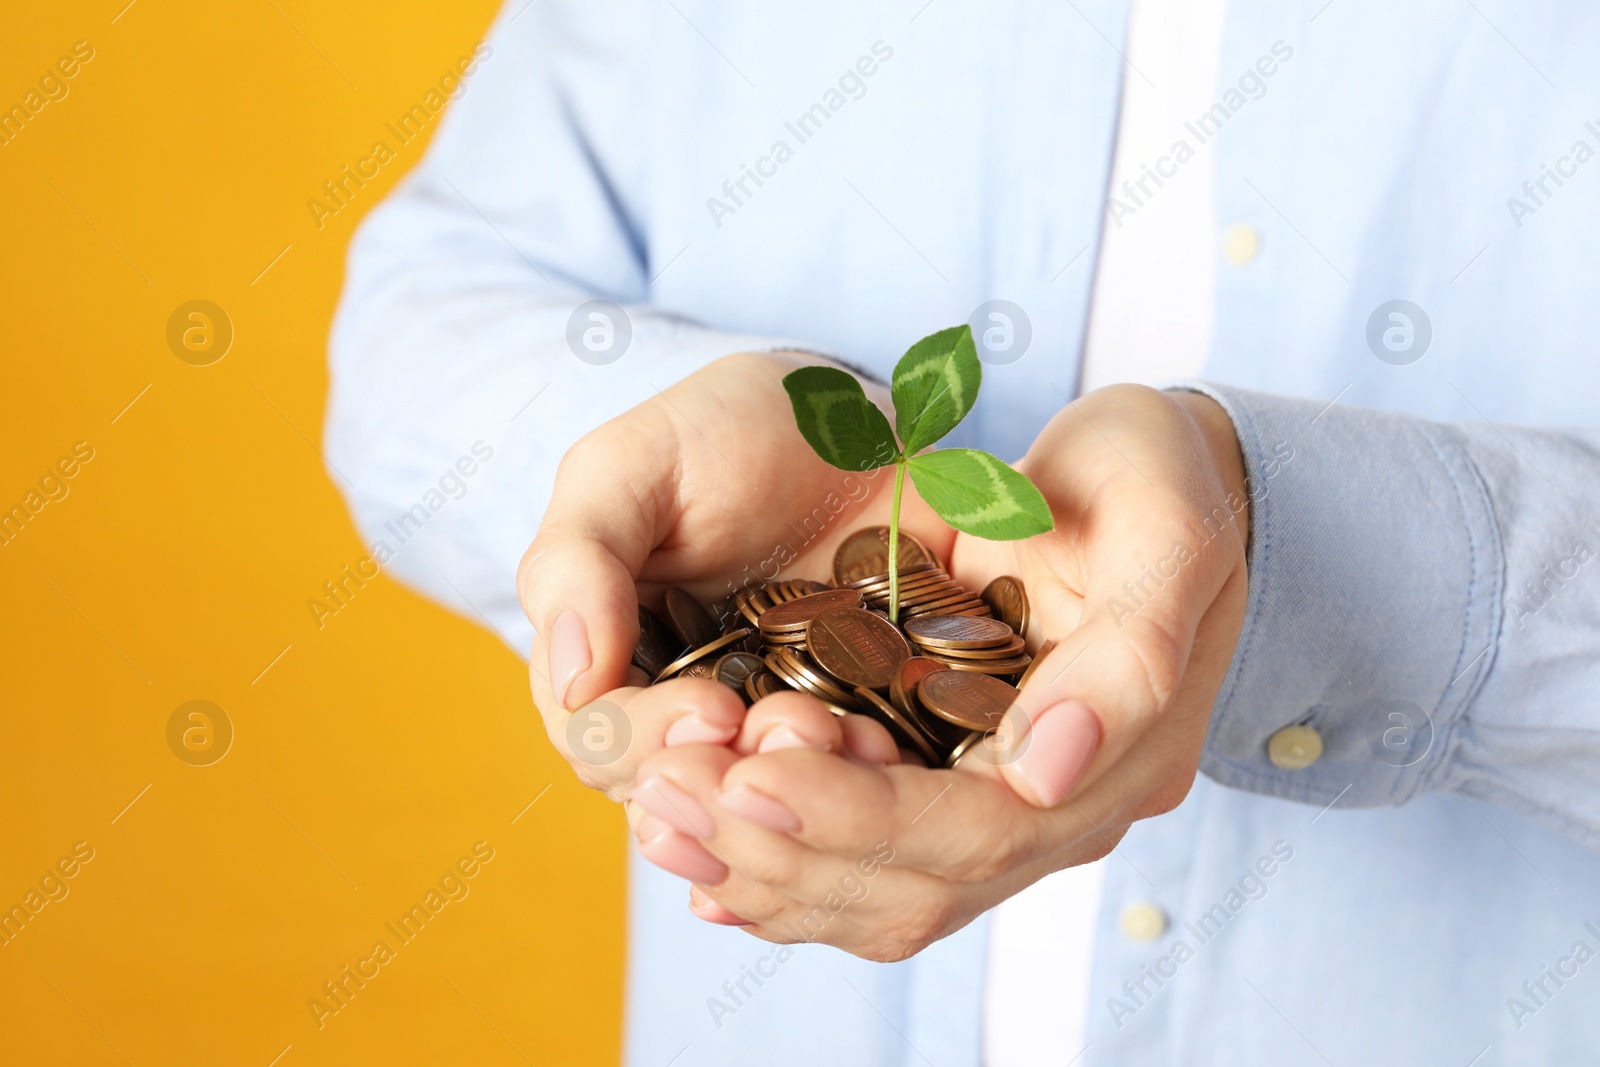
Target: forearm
460,324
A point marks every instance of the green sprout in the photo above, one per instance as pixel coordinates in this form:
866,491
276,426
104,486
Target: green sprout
935,384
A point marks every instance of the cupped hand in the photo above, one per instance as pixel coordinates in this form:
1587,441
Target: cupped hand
1141,587
706,486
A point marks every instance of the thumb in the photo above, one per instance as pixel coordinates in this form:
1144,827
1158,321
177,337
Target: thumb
576,581
1102,686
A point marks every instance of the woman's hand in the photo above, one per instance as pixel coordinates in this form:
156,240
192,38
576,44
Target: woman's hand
1142,588
706,486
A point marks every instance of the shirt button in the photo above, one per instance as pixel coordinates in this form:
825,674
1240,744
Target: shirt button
1142,921
1241,243
1294,748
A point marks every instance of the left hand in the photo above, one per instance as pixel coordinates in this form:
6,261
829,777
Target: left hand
1142,587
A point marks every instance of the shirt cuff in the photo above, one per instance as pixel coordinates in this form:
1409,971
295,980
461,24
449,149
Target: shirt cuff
1375,565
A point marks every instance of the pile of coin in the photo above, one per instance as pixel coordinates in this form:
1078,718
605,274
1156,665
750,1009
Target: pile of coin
940,681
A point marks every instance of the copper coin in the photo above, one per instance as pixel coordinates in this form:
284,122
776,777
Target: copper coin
882,604
784,591
1000,667
917,598
910,607
857,647
746,609
692,622
763,684
966,605
944,735
931,605
931,589
956,631
733,669
1009,601
793,668
813,678
733,619
700,668
1038,658
721,644
833,704
777,667
881,581
795,588
797,614
975,701
957,611
920,571
657,645
1014,647
899,726
903,689
866,552
908,579
975,737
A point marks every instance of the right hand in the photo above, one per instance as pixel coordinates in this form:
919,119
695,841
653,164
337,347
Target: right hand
704,486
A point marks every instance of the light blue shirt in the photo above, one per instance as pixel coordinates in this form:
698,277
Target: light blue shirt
1428,891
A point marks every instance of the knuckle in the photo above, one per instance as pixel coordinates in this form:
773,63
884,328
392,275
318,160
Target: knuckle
1159,651
773,913
993,857
914,929
581,453
1099,845
1164,798
527,568
761,932
1138,397
770,867
1096,849
885,950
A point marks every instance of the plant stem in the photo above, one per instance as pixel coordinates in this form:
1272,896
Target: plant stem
894,541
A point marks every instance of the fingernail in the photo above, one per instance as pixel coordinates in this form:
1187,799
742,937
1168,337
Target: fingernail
782,737
703,907
569,653
759,808
693,730
683,856
648,826
669,803
1061,742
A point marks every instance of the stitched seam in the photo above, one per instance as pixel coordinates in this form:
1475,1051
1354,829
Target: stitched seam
1255,577
1436,757
1439,767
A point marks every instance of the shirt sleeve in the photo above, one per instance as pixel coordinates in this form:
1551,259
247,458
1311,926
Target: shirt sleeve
462,343
1426,597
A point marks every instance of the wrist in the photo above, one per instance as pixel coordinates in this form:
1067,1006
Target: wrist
1222,443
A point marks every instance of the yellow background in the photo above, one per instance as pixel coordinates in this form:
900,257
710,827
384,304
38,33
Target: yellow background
374,752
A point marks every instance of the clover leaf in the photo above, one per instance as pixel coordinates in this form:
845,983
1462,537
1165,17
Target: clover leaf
934,386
